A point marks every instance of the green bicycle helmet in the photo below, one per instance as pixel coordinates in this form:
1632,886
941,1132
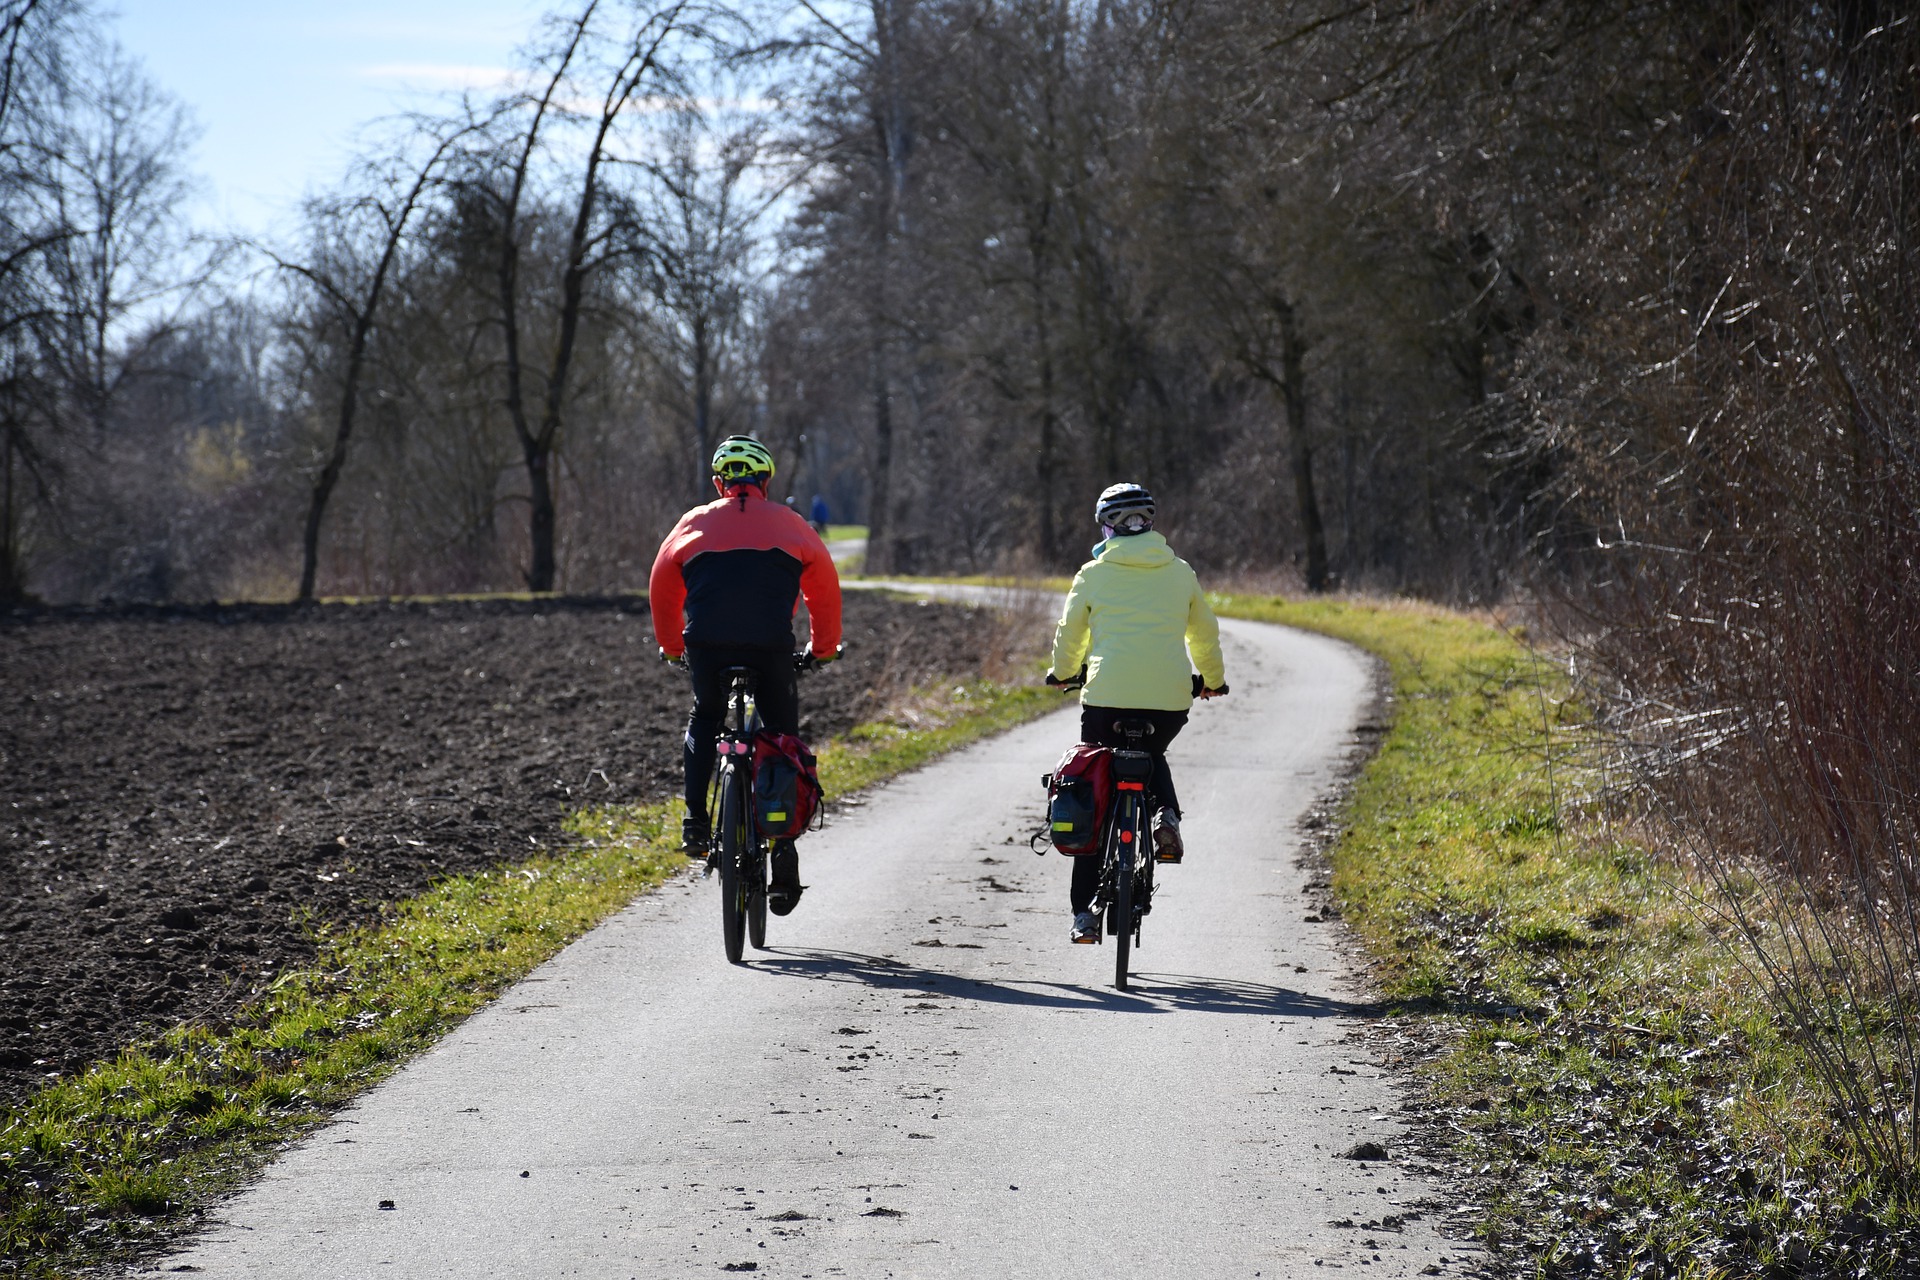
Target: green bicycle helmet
743,458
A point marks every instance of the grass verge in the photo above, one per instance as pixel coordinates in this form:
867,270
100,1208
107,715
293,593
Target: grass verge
1626,1102
110,1162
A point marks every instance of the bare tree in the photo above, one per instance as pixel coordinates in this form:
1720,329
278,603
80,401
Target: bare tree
93,261
876,132
330,268
119,157
641,58
702,209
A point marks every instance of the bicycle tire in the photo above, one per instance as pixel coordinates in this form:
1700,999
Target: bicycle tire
1143,884
1122,908
757,894
733,880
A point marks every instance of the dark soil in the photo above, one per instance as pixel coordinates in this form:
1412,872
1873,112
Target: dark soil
186,795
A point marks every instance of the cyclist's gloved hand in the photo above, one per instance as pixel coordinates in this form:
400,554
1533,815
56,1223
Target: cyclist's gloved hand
1201,691
808,660
677,659
1054,681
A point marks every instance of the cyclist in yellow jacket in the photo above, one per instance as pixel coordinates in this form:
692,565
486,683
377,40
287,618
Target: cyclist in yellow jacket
1134,617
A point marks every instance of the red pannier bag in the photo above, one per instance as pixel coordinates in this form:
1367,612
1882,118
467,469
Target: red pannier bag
1078,791
786,785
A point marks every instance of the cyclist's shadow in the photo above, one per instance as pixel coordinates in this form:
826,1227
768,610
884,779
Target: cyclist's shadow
1148,992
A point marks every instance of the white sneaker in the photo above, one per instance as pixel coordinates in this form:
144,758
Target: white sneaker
1086,927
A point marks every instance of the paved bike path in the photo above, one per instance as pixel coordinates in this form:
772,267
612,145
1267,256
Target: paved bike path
922,1077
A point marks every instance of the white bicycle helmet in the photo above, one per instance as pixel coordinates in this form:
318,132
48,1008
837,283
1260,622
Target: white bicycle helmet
1125,509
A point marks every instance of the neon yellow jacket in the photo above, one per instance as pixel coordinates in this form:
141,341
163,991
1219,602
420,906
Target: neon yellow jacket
1134,613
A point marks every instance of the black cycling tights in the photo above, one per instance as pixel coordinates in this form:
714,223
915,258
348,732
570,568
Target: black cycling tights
1096,726
776,695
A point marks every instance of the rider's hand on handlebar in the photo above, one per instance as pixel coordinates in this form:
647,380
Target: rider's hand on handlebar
1203,693
1068,685
808,660
674,659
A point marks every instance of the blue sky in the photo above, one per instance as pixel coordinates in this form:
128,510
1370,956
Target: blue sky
282,88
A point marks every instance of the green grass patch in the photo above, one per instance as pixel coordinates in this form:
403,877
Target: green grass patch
103,1165
841,532
1624,1097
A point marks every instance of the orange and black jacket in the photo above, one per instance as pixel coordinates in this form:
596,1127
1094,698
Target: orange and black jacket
732,572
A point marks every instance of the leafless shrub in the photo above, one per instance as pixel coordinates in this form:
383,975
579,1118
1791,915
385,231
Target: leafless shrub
1749,457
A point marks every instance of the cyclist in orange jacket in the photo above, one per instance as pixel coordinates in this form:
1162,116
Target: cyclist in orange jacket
723,592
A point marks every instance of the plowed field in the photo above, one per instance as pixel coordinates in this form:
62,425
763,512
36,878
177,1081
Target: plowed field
187,795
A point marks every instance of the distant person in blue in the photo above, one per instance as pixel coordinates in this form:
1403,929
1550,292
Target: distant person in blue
818,514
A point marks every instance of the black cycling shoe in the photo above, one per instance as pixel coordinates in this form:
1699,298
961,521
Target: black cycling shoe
696,836
1167,844
783,895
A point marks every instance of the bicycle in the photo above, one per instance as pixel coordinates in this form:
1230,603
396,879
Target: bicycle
1125,895
1127,857
739,851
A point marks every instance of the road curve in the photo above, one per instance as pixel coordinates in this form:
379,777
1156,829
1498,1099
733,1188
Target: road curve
922,1077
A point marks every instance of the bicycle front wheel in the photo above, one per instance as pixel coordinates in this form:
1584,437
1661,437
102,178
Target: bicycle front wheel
733,862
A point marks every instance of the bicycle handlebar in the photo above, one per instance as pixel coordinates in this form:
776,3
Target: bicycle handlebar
802,661
1079,680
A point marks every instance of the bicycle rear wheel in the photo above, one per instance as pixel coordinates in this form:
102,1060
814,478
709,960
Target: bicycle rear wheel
733,862
1126,837
756,863
1143,882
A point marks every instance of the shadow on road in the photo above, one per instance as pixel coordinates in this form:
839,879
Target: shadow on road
1150,992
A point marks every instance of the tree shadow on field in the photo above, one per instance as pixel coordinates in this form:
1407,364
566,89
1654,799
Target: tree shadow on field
1148,993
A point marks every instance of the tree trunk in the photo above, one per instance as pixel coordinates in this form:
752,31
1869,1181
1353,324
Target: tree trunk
892,141
880,478
702,406
13,587
540,573
1044,464
1293,356
323,491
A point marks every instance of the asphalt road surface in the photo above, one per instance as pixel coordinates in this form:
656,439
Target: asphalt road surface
922,1077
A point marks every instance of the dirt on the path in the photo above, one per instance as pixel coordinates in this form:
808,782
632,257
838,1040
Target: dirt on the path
186,795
